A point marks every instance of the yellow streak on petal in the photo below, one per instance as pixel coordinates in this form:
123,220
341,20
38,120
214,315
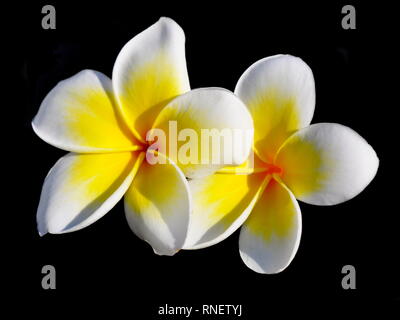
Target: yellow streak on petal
303,166
236,170
224,197
274,213
275,119
252,165
97,176
148,89
92,120
154,189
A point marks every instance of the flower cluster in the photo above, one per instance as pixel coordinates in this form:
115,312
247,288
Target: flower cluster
193,166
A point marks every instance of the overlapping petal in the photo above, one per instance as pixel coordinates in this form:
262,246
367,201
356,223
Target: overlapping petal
81,188
206,129
327,163
280,94
270,237
149,71
221,203
158,205
79,115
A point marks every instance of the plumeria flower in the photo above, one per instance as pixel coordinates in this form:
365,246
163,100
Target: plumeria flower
320,164
104,124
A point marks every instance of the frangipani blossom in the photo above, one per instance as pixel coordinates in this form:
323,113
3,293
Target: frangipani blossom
103,123
320,164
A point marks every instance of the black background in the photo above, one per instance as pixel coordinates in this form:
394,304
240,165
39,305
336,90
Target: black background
106,267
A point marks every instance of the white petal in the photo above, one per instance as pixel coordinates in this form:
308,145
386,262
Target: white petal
270,237
149,71
213,115
221,203
327,163
81,188
158,205
280,94
79,115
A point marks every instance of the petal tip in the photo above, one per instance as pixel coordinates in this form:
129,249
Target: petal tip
254,266
169,25
42,232
169,252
